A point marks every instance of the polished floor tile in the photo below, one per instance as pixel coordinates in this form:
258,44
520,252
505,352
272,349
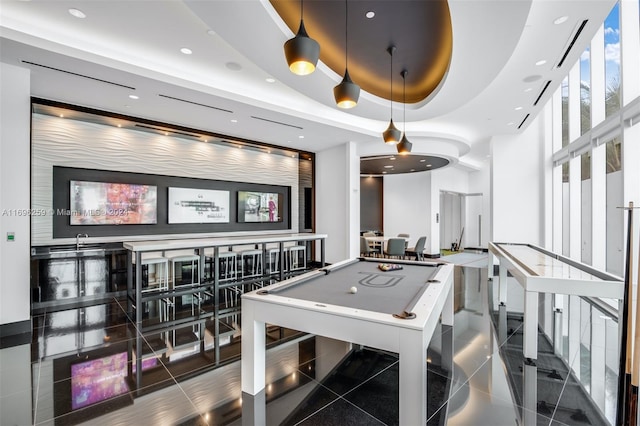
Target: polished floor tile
79,367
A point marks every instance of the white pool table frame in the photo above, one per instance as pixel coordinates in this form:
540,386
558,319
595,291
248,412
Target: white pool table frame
407,337
600,284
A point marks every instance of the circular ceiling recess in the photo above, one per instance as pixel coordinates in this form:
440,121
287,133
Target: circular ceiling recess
397,164
421,31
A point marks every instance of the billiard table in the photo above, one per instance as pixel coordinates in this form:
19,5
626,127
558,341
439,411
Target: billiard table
541,271
395,310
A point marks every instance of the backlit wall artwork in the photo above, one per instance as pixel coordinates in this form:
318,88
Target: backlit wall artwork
104,203
256,206
190,205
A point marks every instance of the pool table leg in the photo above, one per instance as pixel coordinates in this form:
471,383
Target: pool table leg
530,344
502,284
447,309
252,351
413,379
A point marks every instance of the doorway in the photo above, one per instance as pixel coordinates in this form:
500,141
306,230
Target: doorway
460,221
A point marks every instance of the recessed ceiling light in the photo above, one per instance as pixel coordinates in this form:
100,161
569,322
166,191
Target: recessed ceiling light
560,20
388,167
234,120
134,97
77,13
413,170
528,89
370,14
301,137
233,66
428,165
518,108
211,32
541,62
186,51
119,125
423,160
384,172
392,158
270,80
61,115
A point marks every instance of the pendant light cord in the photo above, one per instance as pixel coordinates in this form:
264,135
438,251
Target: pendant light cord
346,35
404,102
391,49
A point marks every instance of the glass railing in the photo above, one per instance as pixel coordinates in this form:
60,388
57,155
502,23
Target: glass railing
586,337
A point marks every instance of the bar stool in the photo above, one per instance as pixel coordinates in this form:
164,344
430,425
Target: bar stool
228,271
193,260
294,257
273,260
251,263
161,281
227,266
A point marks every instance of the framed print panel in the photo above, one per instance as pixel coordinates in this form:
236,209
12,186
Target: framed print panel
194,205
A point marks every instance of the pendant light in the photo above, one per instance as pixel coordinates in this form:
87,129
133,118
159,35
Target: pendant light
347,92
302,52
404,146
392,134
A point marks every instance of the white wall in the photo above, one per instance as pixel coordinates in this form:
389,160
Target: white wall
338,201
14,194
72,143
412,200
517,187
406,203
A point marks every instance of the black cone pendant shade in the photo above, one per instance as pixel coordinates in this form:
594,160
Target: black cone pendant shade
392,134
404,146
302,52
347,92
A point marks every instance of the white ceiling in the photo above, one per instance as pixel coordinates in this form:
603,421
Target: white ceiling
237,45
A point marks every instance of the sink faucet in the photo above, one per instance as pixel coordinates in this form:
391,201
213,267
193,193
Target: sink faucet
78,240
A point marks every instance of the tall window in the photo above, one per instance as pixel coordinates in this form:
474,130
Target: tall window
612,61
565,113
585,208
565,209
585,91
615,216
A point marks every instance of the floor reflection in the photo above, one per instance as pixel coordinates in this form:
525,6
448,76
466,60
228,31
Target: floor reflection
81,369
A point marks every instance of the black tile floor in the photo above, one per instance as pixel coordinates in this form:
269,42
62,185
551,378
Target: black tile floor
475,377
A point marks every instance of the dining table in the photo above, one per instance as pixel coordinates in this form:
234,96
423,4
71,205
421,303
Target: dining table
377,243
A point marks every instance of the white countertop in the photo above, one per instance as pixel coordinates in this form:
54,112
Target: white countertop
189,243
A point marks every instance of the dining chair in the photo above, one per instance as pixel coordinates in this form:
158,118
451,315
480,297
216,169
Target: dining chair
406,239
395,248
365,249
418,250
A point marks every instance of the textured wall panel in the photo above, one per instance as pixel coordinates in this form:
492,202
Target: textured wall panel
72,143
